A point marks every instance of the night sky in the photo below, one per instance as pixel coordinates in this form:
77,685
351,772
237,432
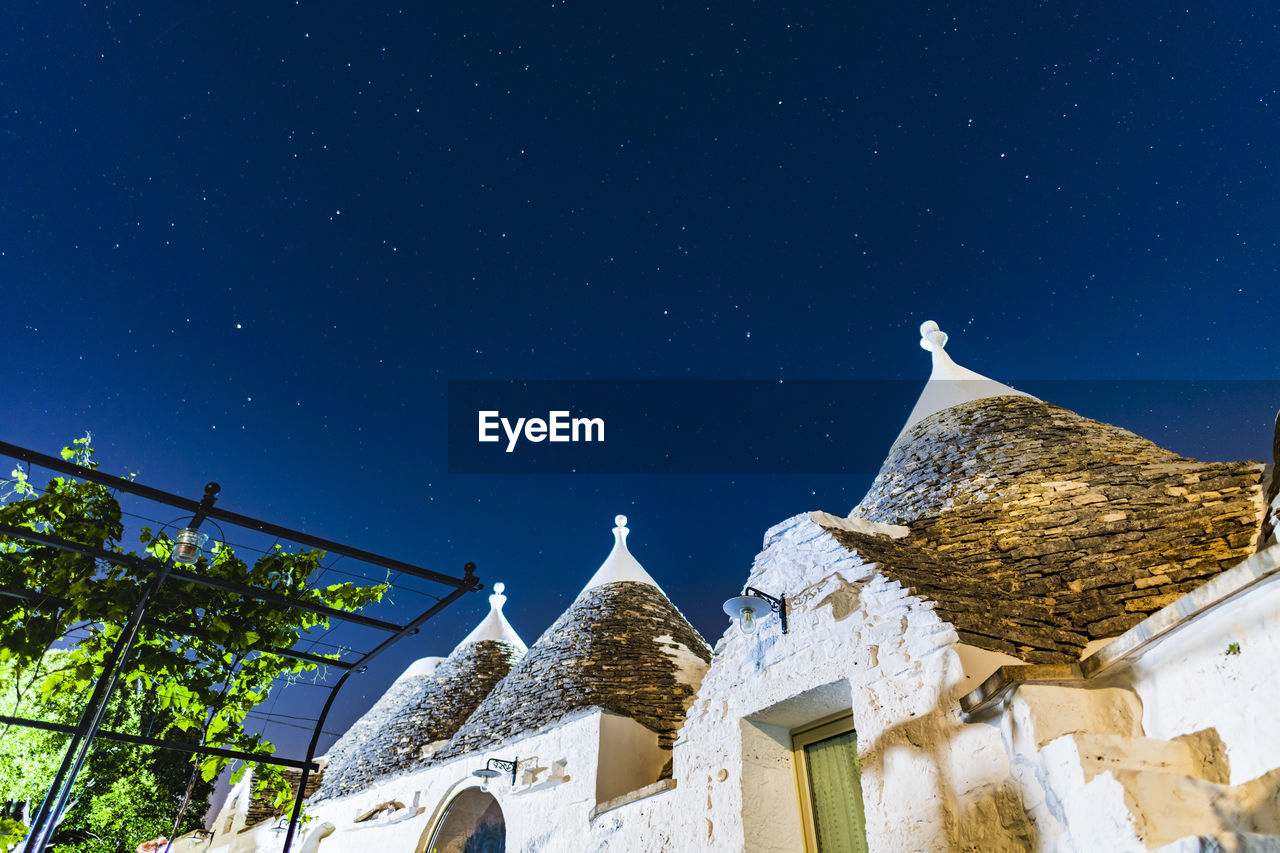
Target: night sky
252,245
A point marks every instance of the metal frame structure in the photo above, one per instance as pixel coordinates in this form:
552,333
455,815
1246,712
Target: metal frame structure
89,726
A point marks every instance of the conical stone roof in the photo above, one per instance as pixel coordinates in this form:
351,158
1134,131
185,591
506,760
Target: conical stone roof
424,707
621,646
1036,530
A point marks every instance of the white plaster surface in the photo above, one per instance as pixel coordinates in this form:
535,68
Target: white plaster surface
1192,680
689,667
421,667
1176,749
770,802
978,664
547,809
854,524
857,642
630,757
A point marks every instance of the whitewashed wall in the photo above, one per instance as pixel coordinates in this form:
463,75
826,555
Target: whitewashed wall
856,642
547,809
1060,768
1195,680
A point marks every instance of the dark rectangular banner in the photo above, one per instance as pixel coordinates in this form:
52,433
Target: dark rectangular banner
796,427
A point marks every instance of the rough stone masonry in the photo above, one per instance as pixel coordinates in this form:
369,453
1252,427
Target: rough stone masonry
1036,530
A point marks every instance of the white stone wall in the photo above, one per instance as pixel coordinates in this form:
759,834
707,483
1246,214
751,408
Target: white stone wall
1113,766
1220,672
230,820
547,809
1177,746
557,775
857,642
629,757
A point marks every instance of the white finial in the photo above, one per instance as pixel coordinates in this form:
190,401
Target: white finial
619,565
931,337
949,384
620,532
495,625
421,667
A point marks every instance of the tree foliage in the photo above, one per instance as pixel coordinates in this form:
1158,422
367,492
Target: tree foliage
202,668
125,793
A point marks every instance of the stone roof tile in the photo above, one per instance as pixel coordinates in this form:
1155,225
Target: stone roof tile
415,713
621,646
1036,530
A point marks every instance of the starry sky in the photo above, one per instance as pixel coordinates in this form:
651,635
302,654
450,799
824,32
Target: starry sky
253,245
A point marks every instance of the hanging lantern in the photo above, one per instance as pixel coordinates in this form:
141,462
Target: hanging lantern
187,545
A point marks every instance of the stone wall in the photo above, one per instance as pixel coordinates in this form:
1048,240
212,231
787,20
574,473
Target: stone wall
1036,530
1062,768
261,802
547,809
857,641
1172,751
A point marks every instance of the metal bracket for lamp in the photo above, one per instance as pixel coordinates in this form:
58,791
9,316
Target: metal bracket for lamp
744,608
489,771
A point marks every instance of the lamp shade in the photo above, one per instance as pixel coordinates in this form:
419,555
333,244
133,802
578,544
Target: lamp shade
485,775
747,610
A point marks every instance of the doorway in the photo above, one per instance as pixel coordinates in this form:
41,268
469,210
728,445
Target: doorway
825,758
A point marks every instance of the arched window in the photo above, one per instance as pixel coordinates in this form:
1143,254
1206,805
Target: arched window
471,823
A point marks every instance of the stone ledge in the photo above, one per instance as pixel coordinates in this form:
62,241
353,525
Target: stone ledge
626,799
1155,627
859,525
1218,591
1008,677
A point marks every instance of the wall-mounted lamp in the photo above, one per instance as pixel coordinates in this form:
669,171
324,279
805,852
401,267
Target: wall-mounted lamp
197,837
490,773
748,607
281,825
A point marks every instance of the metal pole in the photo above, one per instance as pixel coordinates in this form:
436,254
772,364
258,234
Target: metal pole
46,818
177,746
301,793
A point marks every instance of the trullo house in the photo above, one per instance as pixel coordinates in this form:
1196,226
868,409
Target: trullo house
1035,632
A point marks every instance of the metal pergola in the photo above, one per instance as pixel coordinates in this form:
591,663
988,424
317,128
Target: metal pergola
89,726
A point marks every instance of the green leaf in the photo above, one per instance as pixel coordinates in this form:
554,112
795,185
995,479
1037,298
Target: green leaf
196,688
